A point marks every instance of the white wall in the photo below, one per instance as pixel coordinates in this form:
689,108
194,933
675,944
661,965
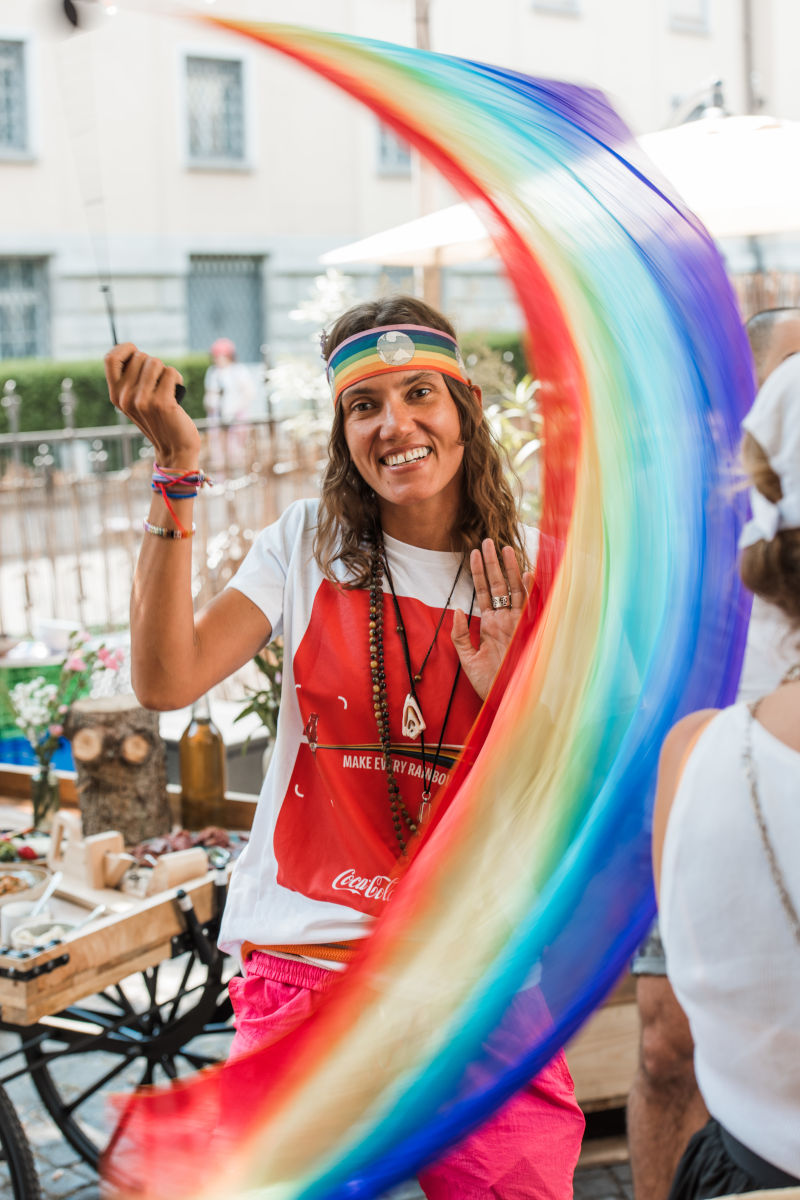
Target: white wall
108,180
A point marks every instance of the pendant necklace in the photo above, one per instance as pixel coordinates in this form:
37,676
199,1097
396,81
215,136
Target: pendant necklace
413,720
411,711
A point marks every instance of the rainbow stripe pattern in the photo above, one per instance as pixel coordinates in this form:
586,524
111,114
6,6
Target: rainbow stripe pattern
390,348
527,900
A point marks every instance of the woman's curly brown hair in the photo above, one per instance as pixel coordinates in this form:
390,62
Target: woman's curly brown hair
771,569
349,519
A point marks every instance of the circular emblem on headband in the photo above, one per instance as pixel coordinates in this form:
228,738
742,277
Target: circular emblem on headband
395,348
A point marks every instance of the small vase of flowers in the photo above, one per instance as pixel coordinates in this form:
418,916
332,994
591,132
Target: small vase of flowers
40,708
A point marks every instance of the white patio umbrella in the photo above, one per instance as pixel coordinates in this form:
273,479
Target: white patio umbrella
740,175
451,235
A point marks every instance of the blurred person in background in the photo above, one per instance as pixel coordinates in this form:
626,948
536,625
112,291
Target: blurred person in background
229,401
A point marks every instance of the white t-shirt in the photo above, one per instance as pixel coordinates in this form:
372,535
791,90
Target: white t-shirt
322,849
733,959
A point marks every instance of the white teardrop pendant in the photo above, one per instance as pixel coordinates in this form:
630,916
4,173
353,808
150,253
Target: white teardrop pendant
413,720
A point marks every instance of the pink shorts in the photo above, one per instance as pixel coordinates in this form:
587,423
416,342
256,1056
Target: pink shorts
527,1151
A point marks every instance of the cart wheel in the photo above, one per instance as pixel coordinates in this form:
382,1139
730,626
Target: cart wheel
165,1023
16,1161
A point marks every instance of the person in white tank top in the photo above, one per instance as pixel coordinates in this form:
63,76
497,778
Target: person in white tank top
664,1105
726,857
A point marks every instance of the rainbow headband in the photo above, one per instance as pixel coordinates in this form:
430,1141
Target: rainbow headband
393,348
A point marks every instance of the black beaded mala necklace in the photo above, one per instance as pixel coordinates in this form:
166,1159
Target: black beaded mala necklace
413,722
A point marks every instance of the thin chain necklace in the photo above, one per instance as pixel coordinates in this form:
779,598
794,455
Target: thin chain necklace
755,799
400,814
413,720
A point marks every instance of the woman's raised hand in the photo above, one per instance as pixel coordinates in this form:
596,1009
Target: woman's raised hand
143,388
497,623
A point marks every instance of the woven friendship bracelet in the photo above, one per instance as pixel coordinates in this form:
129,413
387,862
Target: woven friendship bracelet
174,534
163,479
162,490
195,478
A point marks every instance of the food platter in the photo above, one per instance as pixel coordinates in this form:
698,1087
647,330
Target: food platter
21,881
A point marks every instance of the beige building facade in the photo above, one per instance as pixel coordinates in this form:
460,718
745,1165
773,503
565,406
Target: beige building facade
207,175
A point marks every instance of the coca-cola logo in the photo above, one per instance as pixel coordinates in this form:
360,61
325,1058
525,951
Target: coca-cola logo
379,887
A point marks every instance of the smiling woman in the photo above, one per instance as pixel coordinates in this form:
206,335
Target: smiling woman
397,595
404,438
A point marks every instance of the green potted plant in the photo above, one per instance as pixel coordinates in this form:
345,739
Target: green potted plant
265,701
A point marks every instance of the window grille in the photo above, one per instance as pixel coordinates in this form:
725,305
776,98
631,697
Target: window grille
568,7
689,16
225,299
394,155
23,308
215,101
13,114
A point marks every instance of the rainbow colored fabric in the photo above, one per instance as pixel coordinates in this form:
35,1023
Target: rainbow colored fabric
536,883
393,348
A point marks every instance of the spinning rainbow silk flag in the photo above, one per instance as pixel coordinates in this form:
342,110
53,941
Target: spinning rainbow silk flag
533,888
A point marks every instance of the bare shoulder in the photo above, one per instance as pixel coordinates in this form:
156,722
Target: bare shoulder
680,738
677,747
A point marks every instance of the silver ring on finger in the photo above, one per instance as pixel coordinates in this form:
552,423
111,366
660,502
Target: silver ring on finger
501,601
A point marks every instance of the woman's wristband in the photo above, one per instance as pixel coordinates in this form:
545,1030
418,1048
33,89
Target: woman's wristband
164,478
173,534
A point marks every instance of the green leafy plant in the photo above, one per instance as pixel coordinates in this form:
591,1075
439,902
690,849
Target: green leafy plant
38,383
518,427
265,701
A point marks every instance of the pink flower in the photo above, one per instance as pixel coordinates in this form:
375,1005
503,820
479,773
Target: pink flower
75,662
55,730
82,637
111,659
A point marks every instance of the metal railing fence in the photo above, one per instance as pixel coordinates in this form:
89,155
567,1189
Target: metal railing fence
72,503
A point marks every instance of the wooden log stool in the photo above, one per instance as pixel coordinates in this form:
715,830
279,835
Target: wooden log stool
121,764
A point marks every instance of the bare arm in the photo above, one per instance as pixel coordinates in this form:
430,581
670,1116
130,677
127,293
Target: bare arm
175,656
677,747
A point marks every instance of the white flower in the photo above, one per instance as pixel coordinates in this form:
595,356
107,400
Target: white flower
33,703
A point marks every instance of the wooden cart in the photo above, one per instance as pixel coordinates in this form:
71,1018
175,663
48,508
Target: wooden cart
138,997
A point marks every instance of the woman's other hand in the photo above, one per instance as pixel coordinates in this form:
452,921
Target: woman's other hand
143,388
497,624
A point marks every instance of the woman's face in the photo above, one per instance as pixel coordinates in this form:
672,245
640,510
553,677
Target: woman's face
404,436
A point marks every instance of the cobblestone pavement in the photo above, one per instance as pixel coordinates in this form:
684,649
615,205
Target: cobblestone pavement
64,1176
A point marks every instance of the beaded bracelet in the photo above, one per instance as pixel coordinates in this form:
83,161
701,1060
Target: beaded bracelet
160,531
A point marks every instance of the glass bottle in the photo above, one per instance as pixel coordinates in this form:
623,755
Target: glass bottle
201,753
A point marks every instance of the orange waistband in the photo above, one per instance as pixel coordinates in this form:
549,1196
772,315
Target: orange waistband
325,951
